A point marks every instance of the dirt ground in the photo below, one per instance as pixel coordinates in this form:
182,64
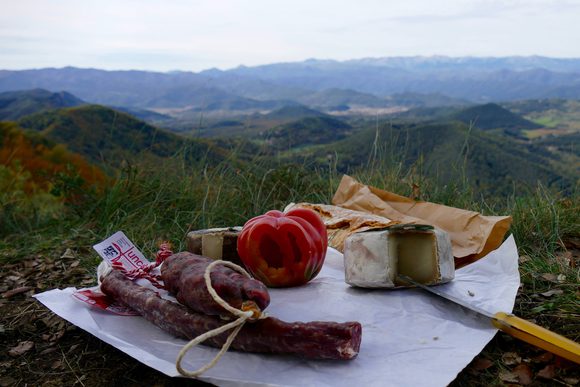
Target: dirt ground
41,349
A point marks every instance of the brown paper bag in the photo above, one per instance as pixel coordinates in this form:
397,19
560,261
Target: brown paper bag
472,234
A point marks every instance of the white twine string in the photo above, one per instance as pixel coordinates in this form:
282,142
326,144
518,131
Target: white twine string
243,316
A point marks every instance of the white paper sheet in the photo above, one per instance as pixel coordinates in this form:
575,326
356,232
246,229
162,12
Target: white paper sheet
410,338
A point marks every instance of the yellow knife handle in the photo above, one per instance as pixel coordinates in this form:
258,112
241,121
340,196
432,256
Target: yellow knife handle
538,336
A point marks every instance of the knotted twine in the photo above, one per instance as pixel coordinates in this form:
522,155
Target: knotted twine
248,312
163,253
145,271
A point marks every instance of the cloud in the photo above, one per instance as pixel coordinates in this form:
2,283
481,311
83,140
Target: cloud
199,34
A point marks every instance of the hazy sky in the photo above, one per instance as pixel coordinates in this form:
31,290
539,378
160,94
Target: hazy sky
196,35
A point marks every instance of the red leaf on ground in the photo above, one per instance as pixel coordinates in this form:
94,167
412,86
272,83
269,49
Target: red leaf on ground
480,364
21,348
14,292
548,372
524,374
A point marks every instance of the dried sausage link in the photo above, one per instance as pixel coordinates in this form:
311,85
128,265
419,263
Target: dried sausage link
183,273
313,340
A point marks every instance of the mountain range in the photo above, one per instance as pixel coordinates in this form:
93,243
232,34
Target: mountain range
497,146
327,85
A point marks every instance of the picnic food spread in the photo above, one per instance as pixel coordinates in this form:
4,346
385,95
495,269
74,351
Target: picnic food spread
214,298
206,295
201,296
280,249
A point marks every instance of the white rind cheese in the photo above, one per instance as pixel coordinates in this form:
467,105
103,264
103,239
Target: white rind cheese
373,259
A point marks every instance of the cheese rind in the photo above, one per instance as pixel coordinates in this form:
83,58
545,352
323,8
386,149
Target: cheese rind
367,260
373,259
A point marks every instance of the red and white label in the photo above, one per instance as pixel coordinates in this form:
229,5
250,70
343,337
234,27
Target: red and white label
120,250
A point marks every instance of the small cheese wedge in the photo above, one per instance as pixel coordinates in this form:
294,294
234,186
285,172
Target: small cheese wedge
373,259
215,243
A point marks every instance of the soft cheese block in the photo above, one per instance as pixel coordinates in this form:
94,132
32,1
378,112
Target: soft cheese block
373,259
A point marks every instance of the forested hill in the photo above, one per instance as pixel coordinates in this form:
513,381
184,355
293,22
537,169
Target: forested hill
17,104
443,149
447,152
108,137
493,116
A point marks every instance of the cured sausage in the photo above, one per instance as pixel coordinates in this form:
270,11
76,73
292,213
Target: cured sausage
183,273
313,340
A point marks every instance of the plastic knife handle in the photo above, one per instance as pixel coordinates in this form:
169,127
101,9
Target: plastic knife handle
538,336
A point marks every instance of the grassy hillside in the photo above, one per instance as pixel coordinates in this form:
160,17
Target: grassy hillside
493,116
444,151
426,114
448,153
568,143
109,137
566,147
17,104
307,131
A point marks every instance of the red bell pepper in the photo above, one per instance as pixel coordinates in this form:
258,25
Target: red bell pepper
284,249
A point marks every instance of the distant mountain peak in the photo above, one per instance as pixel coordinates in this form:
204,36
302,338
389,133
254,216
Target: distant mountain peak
20,103
493,116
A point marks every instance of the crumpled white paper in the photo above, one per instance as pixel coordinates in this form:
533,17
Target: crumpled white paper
410,338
